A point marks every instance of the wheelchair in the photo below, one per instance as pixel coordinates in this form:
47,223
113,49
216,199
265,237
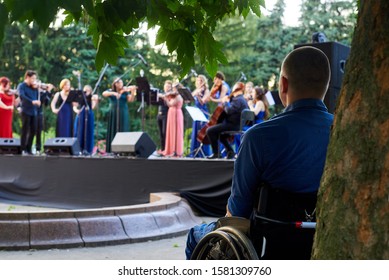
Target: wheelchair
282,226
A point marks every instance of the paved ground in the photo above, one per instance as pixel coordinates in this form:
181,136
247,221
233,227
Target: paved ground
167,249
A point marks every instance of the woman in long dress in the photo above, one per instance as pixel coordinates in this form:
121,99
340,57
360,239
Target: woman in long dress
118,119
86,138
63,108
259,105
7,102
201,96
174,144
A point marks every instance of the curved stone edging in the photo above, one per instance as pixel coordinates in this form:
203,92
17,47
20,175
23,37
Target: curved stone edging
167,215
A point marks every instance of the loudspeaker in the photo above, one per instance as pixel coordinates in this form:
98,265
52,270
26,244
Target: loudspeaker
337,55
136,143
62,146
10,146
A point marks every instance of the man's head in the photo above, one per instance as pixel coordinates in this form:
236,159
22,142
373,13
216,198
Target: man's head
30,77
305,73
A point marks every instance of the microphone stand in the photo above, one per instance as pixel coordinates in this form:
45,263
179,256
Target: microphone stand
86,119
93,92
242,77
118,99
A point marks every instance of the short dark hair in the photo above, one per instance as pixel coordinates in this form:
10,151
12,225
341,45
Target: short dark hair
30,73
308,71
220,76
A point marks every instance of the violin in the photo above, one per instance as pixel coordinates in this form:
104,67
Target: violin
171,93
11,92
215,88
131,89
43,86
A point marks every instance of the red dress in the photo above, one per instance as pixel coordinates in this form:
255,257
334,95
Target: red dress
6,116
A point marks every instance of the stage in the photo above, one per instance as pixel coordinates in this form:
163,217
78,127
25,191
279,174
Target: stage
78,182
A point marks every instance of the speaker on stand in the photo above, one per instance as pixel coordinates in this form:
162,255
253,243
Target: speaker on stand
137,144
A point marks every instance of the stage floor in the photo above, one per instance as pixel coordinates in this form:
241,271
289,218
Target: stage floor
79,182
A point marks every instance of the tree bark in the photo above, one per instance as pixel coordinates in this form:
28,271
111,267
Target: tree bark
353,202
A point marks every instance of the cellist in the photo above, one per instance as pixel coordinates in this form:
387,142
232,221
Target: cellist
219,90
232,105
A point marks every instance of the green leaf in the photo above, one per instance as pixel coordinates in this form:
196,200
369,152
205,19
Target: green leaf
110,47
161,36
209,48
68,19
44,12
74,7
255,6
3,20
89,7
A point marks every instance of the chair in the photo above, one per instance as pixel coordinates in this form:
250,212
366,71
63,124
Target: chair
247,118
282,227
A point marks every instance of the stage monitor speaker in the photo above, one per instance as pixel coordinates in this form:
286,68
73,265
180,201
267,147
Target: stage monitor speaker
10,146
337,55
135,143
62,146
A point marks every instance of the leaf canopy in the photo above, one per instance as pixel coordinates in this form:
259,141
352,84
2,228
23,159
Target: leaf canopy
186,26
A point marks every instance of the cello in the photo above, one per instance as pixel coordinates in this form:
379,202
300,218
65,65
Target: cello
214,119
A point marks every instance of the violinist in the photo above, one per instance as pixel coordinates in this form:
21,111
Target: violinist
162,114
30,102
201,96
118,120
7,103
62,106
220,88
233,106
85,118
174,144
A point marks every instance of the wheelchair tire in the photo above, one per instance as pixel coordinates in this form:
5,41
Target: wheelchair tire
246,247
225,243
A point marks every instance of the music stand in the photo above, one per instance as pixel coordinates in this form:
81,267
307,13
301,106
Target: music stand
197,116
186,94
75,95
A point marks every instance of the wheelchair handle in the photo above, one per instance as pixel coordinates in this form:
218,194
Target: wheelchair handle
299,224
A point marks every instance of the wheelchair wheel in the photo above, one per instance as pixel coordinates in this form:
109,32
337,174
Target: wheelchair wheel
224,243
246,247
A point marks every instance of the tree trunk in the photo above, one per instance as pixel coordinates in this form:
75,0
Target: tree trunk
353,203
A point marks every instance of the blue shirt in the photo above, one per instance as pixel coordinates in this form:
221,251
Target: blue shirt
27,95
287,152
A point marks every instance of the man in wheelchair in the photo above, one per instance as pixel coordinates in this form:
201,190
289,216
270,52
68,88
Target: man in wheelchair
277,173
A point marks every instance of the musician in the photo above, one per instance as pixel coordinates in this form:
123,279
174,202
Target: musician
220,88
7,104
259,105
118,120
233,106
64,112
29,96
201,96
249,91
162,114
174,145
85,138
